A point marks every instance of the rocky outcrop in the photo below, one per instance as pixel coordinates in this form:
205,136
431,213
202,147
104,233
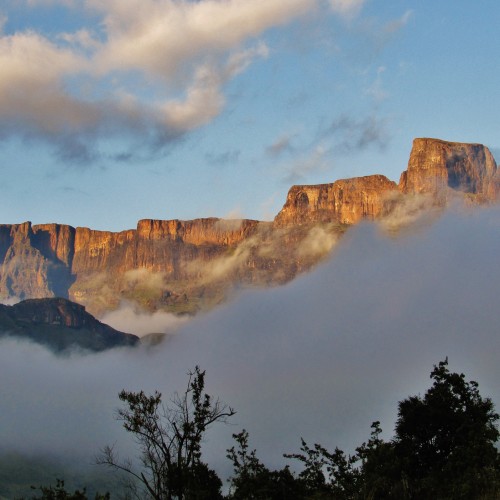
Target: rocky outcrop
441,168
60,325
36,260
210,231
346,201
185,266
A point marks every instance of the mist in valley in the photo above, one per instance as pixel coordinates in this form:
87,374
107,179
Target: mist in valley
319,358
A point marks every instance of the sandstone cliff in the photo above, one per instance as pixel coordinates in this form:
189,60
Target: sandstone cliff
185,266
345,201
436,167
35,260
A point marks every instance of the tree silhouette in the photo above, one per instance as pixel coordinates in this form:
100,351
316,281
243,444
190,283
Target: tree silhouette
169,439
445,441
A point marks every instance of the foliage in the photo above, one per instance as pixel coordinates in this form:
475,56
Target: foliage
60,493
326,474
252,480
169,439
445,441
444,447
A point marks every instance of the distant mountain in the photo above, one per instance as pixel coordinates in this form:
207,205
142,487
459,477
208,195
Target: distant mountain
60,325
186,266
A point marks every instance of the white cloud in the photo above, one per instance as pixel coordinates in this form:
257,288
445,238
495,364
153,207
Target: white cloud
125,76
159,36
128,318
347,8
204,99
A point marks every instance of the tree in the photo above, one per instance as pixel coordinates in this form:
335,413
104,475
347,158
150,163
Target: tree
169,439
445,441
326,474
60,493
443,448
253,480
379,473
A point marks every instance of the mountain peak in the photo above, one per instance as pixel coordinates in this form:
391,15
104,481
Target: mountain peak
436,166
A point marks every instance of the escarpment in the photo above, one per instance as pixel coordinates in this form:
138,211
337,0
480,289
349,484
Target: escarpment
184,266
345,201
437,166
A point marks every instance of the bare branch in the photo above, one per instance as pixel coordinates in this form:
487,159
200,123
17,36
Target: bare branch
169,438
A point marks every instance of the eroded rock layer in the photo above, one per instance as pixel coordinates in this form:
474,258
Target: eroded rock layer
185,266
345,201
437,166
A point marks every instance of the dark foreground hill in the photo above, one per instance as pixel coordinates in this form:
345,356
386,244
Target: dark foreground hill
60,325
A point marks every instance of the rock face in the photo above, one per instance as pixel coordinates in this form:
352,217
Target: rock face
36,261
436,167
60,324
179,266
185,266
345,201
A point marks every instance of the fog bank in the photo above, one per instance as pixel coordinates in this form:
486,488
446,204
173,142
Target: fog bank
321,357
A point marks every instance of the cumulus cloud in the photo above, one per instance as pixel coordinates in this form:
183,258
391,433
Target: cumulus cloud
204,99
152,71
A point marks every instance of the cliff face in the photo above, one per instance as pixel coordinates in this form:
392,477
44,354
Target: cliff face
36,260
437,166
345,201
185,266
160,264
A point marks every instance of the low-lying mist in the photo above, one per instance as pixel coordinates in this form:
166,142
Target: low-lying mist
319,358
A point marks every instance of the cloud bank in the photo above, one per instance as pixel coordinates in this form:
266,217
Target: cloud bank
149,72
320,358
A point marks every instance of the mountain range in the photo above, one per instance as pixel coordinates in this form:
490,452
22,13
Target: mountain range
187,266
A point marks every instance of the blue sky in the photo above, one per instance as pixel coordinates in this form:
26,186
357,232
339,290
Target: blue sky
118,110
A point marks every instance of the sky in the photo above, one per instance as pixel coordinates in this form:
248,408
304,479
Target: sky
114,111
320,358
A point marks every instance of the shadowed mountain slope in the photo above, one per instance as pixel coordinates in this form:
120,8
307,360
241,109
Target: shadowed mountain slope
60,325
